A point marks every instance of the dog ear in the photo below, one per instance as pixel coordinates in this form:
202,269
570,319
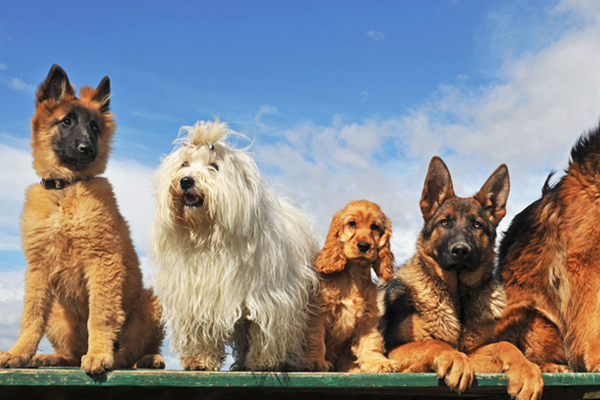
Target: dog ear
55,86
438,187
384,266
494,194
332,258
102,95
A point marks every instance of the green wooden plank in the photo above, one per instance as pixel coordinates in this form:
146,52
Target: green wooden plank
74,377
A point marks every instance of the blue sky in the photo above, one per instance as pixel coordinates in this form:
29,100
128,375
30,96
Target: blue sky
342,99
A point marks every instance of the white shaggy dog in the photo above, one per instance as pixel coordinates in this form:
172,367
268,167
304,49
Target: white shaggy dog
234,263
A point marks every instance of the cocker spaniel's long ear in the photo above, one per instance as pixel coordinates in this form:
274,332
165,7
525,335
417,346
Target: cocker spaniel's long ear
384,266
332,258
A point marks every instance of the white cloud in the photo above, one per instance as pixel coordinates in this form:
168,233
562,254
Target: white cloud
18,84
265,109
376,35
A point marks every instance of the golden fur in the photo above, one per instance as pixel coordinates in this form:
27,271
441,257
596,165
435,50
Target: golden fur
83,284
342,332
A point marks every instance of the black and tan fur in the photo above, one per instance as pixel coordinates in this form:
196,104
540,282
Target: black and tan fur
440,311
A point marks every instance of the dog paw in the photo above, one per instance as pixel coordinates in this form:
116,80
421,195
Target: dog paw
455,369
525,381
200,364
95,364
8,360
382,367
150,361
52,360
551,368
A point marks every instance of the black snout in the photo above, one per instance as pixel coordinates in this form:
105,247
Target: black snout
460,251
85,148
186,182
363,247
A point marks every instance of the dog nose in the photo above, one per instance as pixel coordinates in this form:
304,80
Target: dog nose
460,250
186,182
85,148
363,246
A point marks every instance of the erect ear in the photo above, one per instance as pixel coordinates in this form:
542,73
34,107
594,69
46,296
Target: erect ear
55,86
332,258
438,187
384,266
102,95
494,194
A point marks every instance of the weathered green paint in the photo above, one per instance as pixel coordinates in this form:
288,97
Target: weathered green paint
149,378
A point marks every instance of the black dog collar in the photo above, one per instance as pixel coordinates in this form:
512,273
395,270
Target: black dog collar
57,184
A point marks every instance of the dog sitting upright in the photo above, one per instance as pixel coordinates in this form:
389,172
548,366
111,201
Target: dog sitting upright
83,284
342,332
446,300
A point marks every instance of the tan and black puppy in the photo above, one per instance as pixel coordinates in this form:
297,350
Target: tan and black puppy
83,284
440,311
342,330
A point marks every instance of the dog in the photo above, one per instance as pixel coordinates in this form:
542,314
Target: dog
440,311
548,258
83,284
342,333
234,262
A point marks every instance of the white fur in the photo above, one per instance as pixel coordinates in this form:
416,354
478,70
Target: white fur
237,270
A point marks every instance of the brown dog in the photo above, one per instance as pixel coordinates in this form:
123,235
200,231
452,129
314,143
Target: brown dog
342,333
83,281
549,260
440,312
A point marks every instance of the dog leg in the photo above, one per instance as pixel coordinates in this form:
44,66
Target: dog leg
536,335
434,355
314,355
524,377
105,284
258,359
38,300
367,346
203,357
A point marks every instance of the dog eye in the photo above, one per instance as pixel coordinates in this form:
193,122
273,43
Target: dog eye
66,121
476,225
352,224
375,227
94,126
215,166
444,222
185,164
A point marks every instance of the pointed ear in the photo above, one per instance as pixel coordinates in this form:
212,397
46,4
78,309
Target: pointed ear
494,194
438,187
332,258
55,86
384,266
102,95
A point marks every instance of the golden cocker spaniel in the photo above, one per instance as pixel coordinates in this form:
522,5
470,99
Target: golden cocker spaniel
342,333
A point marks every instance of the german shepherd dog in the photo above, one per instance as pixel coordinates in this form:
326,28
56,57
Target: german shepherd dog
83,284
439,312
550,262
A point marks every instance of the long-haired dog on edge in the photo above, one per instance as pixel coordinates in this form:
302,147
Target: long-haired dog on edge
233,260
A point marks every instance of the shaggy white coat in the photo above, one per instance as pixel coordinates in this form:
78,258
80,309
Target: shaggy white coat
239,268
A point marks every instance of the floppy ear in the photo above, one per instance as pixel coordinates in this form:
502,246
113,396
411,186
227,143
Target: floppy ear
494,194
332,258
384,266
55,86
438,187
102,95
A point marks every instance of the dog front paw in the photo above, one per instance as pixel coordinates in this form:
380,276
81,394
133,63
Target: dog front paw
320,365
455,369
551,368
150,361
382,367
200,364
95,364
525,381
8,360
52,360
